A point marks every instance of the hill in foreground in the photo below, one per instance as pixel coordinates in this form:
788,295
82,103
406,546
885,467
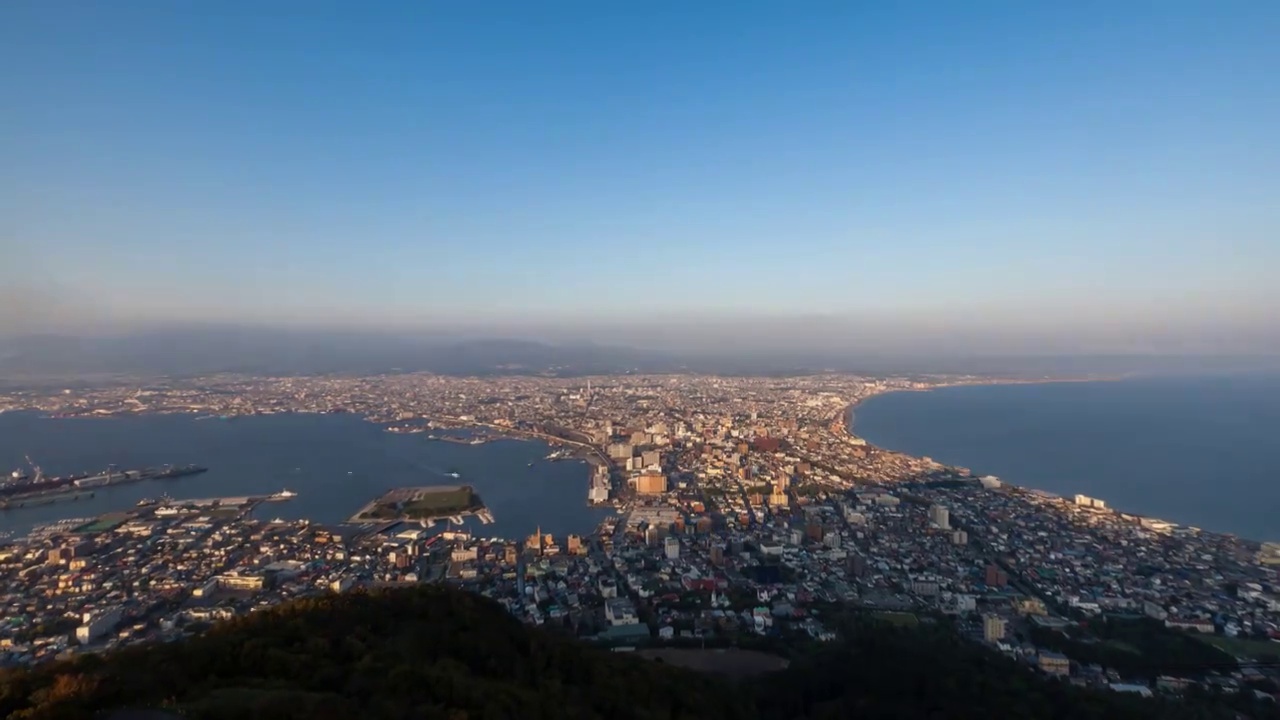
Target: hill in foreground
432,652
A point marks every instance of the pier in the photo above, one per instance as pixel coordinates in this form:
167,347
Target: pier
22,490
40,499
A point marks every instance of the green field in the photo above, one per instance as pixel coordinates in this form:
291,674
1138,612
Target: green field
904,619
1122,645
102,524
422,505
441,503
1242,647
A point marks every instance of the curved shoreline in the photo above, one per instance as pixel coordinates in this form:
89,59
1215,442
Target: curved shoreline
847,413
849,424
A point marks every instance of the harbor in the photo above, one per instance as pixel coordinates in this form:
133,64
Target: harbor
25,488
480,440
38,499
335,462
239,501
164,507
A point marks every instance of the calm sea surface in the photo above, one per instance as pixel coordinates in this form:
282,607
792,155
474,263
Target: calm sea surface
1200,451
335,463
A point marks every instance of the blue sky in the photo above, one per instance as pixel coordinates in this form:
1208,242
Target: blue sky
994,165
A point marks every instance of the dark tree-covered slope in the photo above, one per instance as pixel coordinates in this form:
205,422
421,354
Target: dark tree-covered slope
431,652
423,653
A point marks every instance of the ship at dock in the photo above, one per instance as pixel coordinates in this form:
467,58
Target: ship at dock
22,486
151,502
405,429
113,477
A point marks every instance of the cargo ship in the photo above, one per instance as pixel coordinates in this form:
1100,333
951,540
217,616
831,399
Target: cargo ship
20,485
115,477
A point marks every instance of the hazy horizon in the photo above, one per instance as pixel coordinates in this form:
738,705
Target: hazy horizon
986,178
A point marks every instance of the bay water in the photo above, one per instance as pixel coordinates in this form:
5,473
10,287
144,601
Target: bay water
336,463
1200,451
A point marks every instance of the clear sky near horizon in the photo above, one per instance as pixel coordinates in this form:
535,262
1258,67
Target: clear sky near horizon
1102,168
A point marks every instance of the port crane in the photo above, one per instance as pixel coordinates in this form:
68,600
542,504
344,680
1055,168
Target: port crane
36,473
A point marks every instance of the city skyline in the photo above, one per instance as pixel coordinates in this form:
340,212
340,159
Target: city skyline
992,178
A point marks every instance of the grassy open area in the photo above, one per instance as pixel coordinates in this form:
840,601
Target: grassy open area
734,662
1122,645
102,524
422,503
440,502
1243,647
904,619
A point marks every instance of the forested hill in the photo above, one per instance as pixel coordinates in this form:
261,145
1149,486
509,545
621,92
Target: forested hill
432,653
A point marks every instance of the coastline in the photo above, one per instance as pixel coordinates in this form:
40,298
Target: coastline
848,412
849,425
332,481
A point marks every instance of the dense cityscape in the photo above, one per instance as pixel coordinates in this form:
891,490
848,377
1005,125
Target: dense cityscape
744,507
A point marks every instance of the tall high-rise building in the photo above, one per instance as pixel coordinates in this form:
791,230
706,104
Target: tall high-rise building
814,531
857,564
651,482
717,554
993,628
940,516
534,542
995,577
653,534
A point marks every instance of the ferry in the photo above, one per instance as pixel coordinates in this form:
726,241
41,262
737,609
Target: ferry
285,494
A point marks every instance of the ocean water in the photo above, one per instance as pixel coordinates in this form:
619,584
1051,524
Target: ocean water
1197,451
336,463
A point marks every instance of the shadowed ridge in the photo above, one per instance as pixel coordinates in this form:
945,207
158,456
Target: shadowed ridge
427,652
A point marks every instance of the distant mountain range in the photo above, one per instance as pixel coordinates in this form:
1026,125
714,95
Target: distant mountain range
256,351
199,351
